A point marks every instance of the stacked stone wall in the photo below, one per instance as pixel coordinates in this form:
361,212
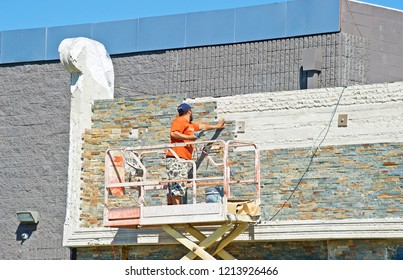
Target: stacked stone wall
335,182
359,181
379,249
114,124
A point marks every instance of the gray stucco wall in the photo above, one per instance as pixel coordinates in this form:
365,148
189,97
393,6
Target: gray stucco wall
34,131
224,70
383,28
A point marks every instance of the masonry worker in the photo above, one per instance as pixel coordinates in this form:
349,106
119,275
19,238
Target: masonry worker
183,129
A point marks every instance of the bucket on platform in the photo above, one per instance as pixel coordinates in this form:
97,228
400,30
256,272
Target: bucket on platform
214,194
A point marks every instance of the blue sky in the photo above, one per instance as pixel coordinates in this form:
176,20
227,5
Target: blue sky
25,14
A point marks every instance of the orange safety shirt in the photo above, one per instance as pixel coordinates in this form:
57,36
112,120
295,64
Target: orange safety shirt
182,125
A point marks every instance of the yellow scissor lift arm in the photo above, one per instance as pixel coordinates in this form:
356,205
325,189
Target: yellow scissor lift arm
232,216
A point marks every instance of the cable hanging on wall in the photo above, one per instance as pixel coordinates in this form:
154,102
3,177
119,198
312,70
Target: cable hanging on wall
315,146
314,150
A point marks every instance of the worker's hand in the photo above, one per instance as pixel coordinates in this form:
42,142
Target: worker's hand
199,133
218,125
221,123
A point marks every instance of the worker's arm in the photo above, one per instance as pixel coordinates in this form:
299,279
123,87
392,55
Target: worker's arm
180,136
220,124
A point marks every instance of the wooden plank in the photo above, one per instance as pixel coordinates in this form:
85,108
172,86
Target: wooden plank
193,247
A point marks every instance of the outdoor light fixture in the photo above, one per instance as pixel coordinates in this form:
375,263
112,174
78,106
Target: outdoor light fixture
28,217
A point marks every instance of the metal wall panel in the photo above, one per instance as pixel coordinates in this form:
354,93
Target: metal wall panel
1,47
260,22
210,28
55,35
23,45
117,36
263,22
165,32
305,17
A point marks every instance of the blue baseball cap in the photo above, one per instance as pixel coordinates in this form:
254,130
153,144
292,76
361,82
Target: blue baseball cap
183,108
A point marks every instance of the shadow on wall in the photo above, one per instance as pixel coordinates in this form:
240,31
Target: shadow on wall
302,78
24,231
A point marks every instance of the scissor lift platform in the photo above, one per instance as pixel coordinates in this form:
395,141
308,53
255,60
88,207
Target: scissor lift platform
230,216
204,214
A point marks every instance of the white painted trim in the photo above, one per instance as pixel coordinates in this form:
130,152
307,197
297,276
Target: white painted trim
295,119
268,231
92,78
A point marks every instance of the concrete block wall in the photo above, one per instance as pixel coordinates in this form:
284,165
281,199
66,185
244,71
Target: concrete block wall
225,70
355,61
34,144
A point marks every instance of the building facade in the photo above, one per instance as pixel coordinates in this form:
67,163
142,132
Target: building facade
295,78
